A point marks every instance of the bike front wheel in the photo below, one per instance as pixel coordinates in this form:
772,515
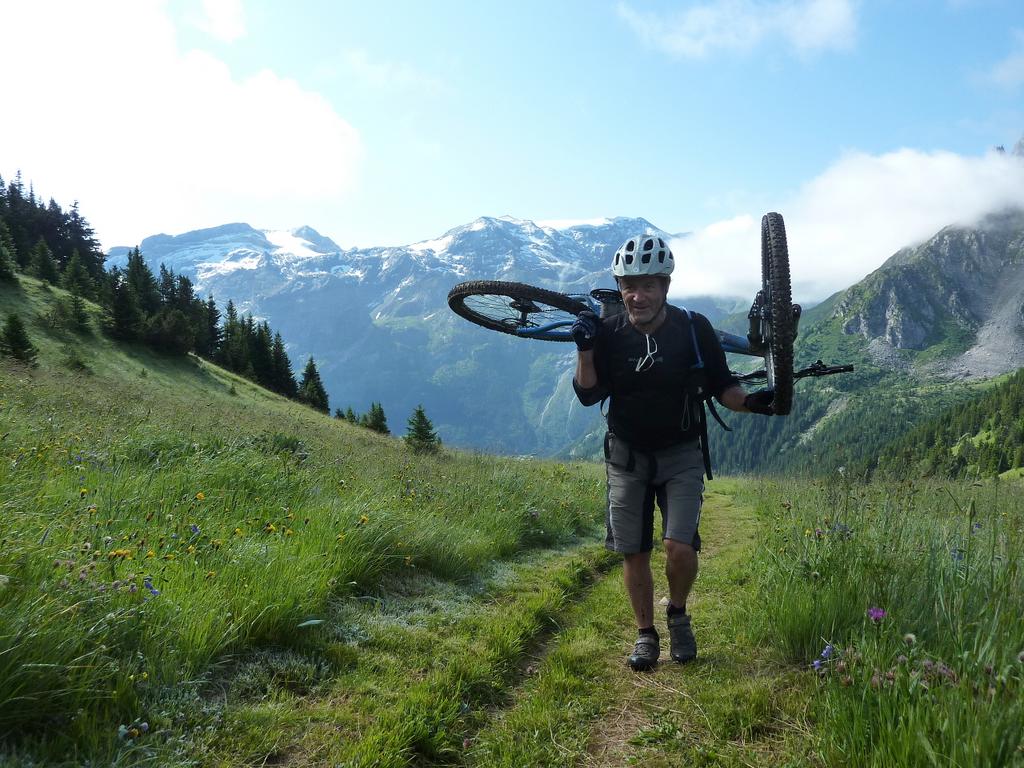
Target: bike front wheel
516,308
777,326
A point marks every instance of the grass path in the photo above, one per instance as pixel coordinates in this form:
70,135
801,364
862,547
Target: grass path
735,705
527,668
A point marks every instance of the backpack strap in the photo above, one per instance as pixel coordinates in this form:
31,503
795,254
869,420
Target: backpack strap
702,398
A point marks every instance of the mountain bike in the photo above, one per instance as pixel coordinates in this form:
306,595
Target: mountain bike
537,313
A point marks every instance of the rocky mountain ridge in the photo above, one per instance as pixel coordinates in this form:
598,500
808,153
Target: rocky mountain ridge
963,288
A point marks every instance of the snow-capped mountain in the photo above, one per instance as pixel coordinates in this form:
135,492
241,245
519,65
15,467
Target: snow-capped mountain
378,324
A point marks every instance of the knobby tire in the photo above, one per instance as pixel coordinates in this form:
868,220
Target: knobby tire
778,330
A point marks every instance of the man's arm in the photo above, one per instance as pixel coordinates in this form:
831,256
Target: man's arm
586,373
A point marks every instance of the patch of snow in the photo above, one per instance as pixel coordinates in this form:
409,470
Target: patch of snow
437,245
288,244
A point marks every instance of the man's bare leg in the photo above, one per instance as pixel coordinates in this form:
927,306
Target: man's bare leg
681,570
636,570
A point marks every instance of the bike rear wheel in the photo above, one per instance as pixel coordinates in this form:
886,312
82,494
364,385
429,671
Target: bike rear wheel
515,308
777,327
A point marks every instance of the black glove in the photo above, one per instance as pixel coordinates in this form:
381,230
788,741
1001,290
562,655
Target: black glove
760,402
585,330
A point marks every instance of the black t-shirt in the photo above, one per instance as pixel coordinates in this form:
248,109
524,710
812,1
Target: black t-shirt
648,409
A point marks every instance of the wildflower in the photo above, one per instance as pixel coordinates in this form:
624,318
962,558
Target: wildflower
191,548
92,509
200,496
910,638
270,528
976,527
828,651
817,665
876,614
216,543
901,659
408,561
957,554
238,531
169,556
210,574
151,553
289,532
876,681
340,537
363,520
82,492
147,582
847,681
808,531
195,529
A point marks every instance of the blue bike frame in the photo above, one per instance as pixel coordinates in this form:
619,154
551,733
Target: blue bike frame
559,331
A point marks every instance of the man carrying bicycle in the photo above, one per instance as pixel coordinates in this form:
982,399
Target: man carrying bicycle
655,363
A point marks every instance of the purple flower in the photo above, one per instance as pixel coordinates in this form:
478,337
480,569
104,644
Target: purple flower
817,664
876,614
827,653
195,529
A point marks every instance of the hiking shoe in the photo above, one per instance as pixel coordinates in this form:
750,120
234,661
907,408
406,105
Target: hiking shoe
645,653
684,644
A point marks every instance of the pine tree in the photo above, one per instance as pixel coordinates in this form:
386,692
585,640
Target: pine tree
350,416
375,419
8,260
76,278
284,378
43,265
142,283
124,319
311,389
15,341
421,436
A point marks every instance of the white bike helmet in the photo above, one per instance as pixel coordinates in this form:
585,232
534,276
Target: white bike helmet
643,255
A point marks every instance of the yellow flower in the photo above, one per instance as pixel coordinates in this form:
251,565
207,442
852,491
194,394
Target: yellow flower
82,492
288,532
238,531
210,574
270,528
151,553
808,531
200,496
408,561
216,543
363,520
169,556
340,537
191,548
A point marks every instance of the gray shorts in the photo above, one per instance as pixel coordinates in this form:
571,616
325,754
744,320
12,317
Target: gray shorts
674,477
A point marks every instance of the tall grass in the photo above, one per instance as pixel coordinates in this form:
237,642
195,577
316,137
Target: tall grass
151,526
907,601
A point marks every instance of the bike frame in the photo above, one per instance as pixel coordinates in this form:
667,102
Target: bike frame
731,342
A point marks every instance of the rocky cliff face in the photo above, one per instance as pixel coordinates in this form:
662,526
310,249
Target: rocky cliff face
961,293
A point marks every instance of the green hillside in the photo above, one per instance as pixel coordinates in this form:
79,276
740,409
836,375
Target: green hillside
981,437
163,518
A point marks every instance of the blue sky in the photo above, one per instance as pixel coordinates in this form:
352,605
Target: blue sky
390,122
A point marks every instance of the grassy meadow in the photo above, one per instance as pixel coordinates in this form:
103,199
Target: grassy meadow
194,571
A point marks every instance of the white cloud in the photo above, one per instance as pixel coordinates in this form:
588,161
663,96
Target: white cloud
848,220
154,139
741,25
223,19
1009,72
